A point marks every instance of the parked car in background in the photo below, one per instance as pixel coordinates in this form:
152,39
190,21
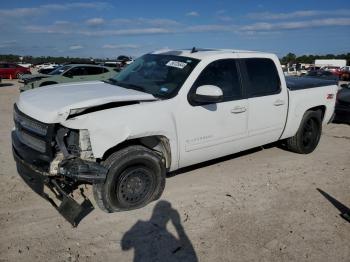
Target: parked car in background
344,73
68,73
342,106
27,65
46,65
116,66
12,70
125,59
322,74
46,71
332,69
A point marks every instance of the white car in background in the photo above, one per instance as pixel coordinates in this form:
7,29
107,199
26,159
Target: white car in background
26,65
46,66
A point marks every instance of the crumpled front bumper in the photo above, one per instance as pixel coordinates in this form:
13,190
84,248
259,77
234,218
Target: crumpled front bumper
34,172
39,182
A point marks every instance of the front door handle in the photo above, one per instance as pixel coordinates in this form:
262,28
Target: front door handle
278,102
238,109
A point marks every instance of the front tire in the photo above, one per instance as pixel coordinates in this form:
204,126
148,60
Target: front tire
136,176
308,135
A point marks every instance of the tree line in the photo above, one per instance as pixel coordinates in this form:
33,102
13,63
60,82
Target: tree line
289,58
43,59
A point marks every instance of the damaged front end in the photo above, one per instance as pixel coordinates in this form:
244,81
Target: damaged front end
55,162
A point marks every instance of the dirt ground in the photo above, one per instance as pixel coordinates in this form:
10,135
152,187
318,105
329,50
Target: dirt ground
261,205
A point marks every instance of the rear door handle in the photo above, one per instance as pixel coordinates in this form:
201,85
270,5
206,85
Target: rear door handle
278,102
238,109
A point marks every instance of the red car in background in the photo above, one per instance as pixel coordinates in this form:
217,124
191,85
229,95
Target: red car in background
344,73
12,70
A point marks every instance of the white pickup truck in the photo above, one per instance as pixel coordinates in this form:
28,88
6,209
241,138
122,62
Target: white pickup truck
167,110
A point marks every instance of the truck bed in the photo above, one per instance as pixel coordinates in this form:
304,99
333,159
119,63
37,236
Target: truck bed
298,83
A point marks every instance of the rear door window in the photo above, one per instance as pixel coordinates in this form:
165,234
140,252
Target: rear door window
261,77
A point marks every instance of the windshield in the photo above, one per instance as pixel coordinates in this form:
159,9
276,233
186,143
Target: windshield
159,75
59,70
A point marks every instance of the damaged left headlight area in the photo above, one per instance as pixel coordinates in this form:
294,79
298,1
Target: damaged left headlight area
74,158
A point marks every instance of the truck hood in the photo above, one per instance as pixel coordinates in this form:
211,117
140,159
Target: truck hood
53,104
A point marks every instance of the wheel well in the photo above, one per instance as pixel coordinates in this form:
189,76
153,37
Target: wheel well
319,108
159,144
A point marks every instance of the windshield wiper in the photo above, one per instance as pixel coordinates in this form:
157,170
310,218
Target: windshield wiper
132,86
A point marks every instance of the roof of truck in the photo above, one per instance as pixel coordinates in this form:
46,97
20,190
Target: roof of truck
199,53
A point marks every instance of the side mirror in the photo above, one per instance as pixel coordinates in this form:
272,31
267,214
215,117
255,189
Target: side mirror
207,94
345,86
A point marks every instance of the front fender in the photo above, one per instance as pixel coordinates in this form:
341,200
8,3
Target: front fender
110,127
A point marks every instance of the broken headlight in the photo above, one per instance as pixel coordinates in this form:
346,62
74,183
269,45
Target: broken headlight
74,142
85,144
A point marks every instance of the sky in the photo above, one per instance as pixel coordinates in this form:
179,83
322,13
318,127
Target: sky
106,29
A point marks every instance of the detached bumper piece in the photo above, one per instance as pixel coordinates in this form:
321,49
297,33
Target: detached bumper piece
56,190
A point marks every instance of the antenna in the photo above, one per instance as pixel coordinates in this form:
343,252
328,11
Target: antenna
194,50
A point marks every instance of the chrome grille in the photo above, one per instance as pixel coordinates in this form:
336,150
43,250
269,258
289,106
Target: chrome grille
32,133
31,125
32,141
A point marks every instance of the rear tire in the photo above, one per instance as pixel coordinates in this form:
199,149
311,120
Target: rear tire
308,135
136,177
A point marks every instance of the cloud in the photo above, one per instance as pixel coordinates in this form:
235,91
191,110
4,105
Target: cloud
91,5
122,46
34,11
297,25
145,21
142,26
75,47
62,23
222,16
58,27
225,18
95,21
221,12
8,43
135,31
192,13
298,14
210,28
20,12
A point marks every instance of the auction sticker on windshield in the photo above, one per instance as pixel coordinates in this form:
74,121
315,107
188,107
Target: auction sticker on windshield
176,64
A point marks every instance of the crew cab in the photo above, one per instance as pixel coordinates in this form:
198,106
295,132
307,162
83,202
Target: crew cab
167,110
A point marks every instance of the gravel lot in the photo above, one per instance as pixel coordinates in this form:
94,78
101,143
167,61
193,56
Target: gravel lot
261,205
